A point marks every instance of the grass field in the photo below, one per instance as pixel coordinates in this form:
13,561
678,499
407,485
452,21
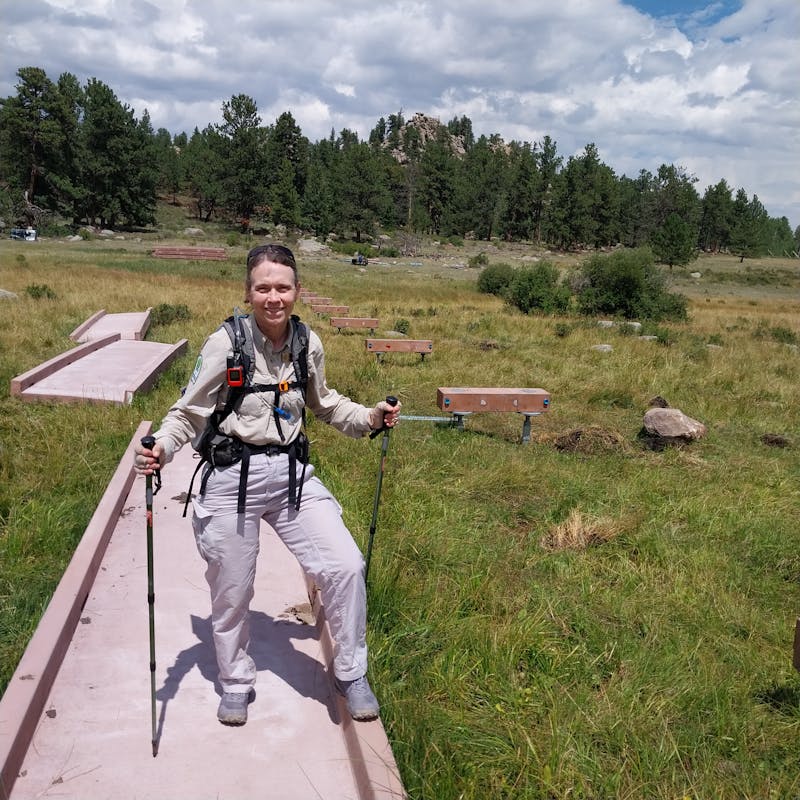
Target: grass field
579,617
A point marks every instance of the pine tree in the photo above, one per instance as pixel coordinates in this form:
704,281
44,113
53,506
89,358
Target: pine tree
716,217
674,242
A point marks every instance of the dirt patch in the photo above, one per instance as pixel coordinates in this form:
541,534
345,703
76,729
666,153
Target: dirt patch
775,440
592,440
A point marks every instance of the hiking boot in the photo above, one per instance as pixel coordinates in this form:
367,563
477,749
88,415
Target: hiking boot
233,707
361,702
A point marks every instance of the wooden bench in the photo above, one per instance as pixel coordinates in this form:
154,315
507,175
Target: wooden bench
313,299
381,346
191,253
461,402
324,308
354,322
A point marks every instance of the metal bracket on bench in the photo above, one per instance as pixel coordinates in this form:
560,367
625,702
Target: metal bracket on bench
526,424
456,420
379,357
416,418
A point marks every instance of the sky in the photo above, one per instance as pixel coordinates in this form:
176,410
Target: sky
712,87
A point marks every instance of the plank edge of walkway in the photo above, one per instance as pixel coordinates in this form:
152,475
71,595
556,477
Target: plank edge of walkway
26,694
371,759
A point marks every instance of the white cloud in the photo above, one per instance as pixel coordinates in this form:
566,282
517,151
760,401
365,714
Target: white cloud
715,95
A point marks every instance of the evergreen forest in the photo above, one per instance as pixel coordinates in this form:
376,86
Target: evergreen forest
73,155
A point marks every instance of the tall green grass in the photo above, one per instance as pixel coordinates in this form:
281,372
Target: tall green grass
655,663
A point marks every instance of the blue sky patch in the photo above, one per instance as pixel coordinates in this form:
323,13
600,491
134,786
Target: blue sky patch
681,10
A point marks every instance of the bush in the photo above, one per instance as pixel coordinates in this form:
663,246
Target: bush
480,260
166,314
495,279
54,229
351,248
780,333
627,284
402,326
562,329
538,289
40,290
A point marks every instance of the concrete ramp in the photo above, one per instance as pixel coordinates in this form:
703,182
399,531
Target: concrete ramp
80,729
107,369
129,325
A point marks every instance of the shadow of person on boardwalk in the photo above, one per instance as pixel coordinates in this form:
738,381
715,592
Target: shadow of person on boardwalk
272,650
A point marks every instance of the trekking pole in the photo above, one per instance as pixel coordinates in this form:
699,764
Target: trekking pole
148,442
392,401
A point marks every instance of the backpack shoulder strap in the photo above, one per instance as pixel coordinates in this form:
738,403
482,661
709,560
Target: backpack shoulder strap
300,352
244,358
241,336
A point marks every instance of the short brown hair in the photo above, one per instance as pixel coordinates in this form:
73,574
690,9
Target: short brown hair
276,253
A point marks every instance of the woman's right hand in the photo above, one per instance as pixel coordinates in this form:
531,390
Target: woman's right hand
146,462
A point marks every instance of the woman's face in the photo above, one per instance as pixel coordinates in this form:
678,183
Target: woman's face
272,295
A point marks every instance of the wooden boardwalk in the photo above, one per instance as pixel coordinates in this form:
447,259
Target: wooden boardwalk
81,729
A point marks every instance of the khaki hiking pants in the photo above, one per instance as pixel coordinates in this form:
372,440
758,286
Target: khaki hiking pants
316,535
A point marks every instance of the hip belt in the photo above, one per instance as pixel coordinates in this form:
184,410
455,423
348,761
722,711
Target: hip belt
229,450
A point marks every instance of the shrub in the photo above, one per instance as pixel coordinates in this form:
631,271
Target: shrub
351,248
538,289
166,314
780,333
495,279
480,260
627,284
39,290
562,329
402,326
53,228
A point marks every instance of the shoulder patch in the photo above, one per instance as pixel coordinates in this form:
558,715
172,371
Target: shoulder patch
197,367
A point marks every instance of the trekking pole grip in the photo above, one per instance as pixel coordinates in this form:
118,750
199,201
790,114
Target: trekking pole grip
392,401
149,442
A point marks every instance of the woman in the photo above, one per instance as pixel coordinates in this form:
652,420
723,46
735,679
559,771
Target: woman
266,423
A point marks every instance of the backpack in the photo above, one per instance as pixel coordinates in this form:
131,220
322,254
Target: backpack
242,364
217,449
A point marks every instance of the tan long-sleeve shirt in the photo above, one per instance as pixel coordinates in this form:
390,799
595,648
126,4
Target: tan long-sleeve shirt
254,421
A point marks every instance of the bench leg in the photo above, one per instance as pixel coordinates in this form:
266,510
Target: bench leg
526,429
526,425
459,421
